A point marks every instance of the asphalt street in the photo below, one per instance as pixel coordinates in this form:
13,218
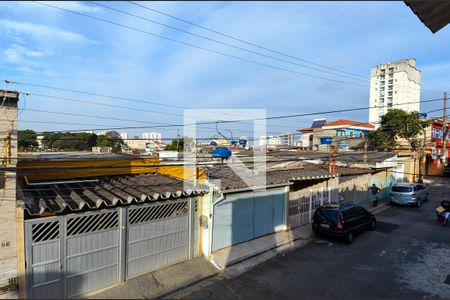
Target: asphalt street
408,256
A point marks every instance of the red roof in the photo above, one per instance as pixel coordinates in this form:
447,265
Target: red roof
343,122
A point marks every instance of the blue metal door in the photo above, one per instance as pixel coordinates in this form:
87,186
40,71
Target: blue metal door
262,215
279,210
245,216
233,220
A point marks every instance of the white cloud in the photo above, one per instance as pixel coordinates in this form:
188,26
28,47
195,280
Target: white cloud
27,6
20,55
73,5
39,31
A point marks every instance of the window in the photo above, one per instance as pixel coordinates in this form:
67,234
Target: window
382,88
401,189
352,134
389,93
389,104
349,213
391,81
360,134
360,211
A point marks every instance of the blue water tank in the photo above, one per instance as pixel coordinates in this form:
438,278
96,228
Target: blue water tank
326,140
221,152
242,142
234,142
213,143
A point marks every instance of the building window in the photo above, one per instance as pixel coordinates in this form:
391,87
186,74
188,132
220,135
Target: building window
391,81
389,105
382,88
360,134
352,134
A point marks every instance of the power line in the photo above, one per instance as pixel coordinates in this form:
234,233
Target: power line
217,41
257,119
253,44
101,95
243,41
199,47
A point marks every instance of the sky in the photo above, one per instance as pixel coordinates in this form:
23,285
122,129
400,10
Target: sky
46,46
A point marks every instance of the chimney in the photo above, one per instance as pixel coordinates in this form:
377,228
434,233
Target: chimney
8,158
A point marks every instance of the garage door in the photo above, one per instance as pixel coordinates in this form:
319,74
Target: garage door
72,255
158,236
245,216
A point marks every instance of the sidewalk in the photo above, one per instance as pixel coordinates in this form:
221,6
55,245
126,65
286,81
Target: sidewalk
232,261
158,283
229,256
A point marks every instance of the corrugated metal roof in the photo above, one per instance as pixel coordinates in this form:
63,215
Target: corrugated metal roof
229,180
109,191
433,14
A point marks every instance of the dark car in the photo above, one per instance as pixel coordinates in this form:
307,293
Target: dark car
342,220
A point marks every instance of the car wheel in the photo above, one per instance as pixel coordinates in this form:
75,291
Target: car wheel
373,225
349,237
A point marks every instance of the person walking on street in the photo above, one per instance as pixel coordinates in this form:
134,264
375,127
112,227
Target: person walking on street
446,205
375,190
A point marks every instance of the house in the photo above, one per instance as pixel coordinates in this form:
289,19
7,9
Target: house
74,223
344,134
91,222
241,213
435,163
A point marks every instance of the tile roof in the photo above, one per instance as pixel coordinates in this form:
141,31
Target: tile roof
230,181
344,122
108,191
433,14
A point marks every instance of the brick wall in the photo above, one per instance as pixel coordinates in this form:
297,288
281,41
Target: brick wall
8,247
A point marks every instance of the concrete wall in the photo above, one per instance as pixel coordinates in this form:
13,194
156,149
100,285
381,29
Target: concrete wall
355,188
298,189
8,233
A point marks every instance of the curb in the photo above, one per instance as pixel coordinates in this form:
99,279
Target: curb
246,264
188,284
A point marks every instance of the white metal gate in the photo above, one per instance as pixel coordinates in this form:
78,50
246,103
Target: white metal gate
92,251
43,256
303,206
158,236
68,256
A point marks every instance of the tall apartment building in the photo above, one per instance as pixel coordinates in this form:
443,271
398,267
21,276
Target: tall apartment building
154,136
394,85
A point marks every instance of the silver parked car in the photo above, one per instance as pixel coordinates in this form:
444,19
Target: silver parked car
409,194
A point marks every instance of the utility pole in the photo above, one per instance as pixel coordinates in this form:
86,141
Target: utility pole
444,129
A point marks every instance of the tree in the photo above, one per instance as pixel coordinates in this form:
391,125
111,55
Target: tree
110,139
69,141
27,139
381,141
178,144
398,124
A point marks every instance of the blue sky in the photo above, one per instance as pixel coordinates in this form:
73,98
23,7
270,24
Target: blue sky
46,46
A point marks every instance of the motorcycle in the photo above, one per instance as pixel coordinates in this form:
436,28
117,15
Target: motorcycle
440,214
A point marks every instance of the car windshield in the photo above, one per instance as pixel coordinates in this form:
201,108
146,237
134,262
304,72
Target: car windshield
329,214
401,189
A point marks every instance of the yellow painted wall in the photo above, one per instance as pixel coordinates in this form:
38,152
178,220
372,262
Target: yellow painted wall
68,169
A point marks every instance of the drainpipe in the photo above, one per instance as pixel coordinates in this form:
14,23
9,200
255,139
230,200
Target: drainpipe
221,198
